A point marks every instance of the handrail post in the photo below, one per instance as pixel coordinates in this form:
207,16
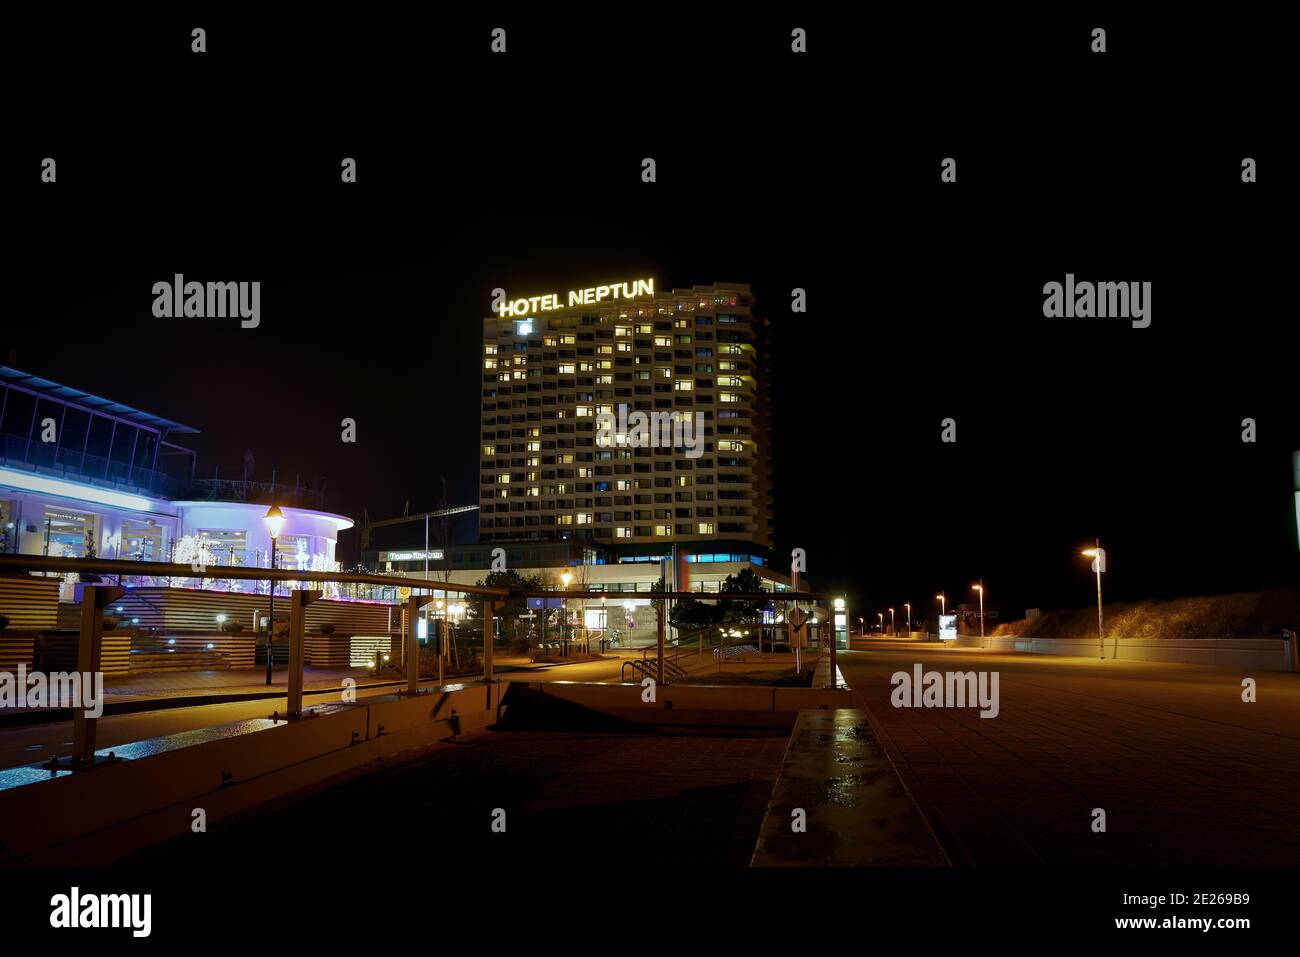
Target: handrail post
659,639
489,626
298,602
94,599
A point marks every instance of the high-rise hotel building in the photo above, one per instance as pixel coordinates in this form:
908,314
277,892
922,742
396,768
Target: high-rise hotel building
552,370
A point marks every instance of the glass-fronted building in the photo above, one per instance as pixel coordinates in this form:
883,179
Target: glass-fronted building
84,476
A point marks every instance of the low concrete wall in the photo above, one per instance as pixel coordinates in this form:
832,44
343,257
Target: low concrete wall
1259,654
692,704
54,817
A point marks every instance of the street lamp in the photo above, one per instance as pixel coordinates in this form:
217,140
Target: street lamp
908,606
1098,556
881,616
891,622
274,519
943,603
980,588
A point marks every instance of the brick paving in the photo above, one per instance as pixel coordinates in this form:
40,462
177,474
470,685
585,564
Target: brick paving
1186,773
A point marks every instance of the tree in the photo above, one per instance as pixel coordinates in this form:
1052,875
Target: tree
689,614
510,580
745,581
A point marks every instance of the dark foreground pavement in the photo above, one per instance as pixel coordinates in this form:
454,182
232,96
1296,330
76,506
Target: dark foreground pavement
571,799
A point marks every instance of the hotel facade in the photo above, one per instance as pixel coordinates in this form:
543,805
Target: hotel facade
558,460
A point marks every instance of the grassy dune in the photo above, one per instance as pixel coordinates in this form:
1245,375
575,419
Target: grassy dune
1257,614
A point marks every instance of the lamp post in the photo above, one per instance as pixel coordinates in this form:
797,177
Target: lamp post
891,622
1098,556
980,588
881,616
274,519
908,606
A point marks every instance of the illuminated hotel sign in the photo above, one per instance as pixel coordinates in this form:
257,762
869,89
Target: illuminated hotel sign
577,297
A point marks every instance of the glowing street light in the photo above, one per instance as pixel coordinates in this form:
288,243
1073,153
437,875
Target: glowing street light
1098,556
881,616
891,622
908,606
274,519
943,603
980,588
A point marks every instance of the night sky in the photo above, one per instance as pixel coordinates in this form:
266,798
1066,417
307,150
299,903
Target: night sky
925,299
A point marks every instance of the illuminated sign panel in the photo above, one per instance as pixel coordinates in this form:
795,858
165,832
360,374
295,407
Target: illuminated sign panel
947,627
577,297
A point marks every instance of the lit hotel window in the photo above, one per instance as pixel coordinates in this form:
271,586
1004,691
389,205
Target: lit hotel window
489,350
566,368
487,364
622,531
704,528
728,397
487,450
659,530
582,411
682,385
584,518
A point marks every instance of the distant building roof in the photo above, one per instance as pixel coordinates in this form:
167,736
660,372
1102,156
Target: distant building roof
64,393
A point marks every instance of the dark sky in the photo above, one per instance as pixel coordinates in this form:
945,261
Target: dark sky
924,299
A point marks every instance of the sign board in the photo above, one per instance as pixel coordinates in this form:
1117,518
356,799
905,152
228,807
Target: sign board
536,603
531,305
1099,563
404,592
947,627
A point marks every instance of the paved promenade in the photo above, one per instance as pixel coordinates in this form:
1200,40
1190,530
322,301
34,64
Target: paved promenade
1186,772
